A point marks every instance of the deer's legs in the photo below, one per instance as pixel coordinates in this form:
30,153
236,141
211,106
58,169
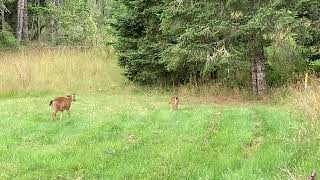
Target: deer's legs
53,115
61,115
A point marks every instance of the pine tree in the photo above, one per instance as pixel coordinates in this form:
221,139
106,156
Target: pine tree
139,41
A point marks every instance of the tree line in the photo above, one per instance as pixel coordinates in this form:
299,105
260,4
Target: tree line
55,22
242,43
257,44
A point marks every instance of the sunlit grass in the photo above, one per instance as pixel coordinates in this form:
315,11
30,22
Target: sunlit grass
121,131
60,70
138,136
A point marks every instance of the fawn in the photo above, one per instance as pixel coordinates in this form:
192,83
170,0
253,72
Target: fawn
61,104
174,101
313,175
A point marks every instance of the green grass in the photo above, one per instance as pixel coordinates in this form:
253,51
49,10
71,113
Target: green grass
138,136
119,131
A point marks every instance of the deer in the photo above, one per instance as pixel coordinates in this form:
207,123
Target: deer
61,104
174,101
313,175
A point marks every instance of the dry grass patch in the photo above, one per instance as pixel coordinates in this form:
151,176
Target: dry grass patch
58,69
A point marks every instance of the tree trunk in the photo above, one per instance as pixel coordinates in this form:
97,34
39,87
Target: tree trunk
25,21
22,20
54,22
258,73
37,30
19,19
2,18
214,75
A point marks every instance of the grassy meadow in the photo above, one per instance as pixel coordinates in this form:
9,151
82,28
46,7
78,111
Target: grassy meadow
59,70
119,131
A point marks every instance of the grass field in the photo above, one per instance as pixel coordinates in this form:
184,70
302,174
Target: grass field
125,136
116,133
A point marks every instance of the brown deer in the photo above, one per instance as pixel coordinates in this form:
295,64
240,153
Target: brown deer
313,175
61,104
174,101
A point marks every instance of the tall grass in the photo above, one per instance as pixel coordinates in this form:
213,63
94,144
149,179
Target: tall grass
59,69
306,102
37,69
136,135
303,102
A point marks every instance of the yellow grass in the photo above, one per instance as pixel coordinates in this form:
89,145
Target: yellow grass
65,70
300,101
308,102
59,69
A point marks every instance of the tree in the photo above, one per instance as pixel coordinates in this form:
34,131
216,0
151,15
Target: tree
3,10
307,31
54,22
37,12
22,20
196,40
200,41
210,35
139,44
72,22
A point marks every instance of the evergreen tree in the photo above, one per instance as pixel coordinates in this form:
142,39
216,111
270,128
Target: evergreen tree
197,41
139,43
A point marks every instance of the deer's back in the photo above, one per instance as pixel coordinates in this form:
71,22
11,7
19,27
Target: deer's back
174,99
61,103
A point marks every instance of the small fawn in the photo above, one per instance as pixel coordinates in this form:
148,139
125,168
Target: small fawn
313,175
174,101
61,104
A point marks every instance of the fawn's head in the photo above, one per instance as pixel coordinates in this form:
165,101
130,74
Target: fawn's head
72,97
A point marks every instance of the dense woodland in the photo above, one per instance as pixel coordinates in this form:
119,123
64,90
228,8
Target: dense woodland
245,44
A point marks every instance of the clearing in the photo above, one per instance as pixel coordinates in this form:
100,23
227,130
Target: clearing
138,136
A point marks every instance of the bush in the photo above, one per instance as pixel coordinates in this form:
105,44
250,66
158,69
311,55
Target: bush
7,39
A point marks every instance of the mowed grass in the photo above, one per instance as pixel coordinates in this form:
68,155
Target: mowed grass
140,137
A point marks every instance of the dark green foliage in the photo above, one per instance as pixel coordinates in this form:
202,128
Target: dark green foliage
75,22
10,14
139,45
201,41
7,39
285,61
308,31
165,42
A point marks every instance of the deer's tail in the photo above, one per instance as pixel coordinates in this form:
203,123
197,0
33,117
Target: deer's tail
50,103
